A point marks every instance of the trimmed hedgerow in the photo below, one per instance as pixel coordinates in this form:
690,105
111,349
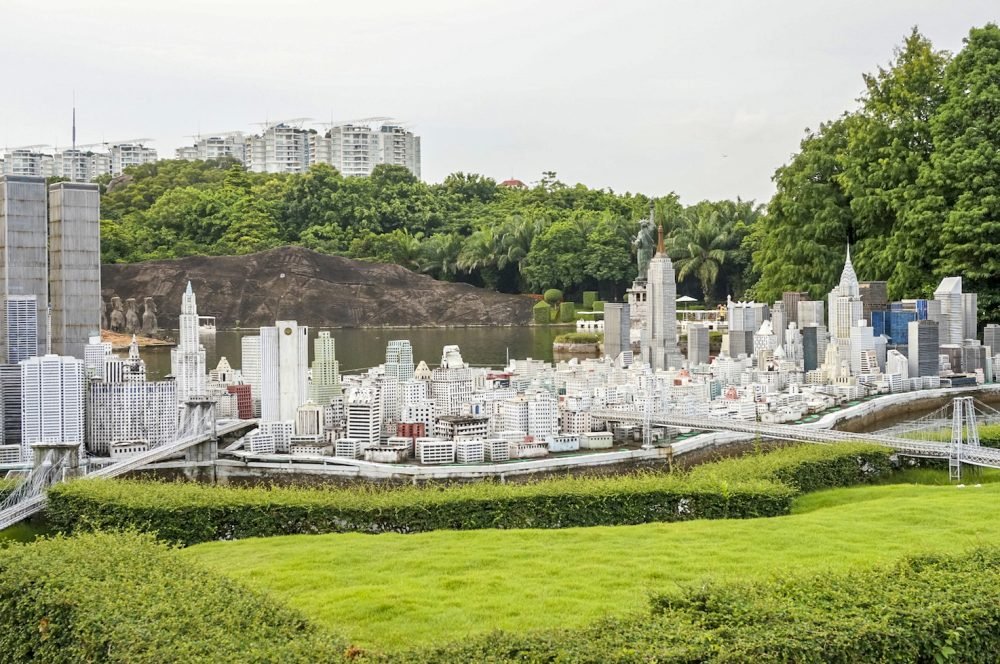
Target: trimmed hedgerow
589,297
127,598
189,513
807,467
922,609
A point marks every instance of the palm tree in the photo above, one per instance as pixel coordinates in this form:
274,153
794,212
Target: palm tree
701,246
439,255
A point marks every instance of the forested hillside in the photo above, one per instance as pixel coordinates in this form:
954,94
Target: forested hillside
910,177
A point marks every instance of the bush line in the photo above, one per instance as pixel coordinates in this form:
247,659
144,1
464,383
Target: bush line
923,609
188,513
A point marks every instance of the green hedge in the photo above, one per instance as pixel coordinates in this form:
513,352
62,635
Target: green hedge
598,305
923,609
807,468
567,312
579,338
553,296
589,297
126,598
189,513
541,313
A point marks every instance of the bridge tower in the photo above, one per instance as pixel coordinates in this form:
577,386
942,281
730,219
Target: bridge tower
65,456
964,431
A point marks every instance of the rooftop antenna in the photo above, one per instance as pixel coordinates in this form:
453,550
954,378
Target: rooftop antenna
72,171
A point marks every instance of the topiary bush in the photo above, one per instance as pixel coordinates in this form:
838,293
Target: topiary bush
567,312
553,296
127,598
588,300
541,313
598,305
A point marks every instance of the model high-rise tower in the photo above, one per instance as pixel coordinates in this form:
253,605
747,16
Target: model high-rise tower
325,383
24,256
187,360
74,265
52,401
661,288
846,308
284,370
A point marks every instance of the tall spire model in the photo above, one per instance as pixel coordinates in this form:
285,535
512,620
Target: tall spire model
661,316
845,306
187,360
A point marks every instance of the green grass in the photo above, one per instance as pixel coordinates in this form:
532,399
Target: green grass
392,591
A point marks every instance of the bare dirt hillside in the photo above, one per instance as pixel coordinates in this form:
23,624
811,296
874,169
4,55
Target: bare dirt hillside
292,283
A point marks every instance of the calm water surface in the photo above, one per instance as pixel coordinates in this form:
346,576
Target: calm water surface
362,348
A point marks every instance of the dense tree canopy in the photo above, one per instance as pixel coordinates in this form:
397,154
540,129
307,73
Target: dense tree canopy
467,227
911,178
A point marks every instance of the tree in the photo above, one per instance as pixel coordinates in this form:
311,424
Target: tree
556,257
964,173
799,245
439,255
889,143
701,246
608,259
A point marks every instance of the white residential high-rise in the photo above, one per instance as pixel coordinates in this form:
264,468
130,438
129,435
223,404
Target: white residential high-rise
661,319
284,370
325,384
846,308
52,401
187,359
281,148
124,155
229,145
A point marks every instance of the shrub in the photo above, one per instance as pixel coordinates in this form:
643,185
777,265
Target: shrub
553,296
807,468
923,609
598,305
542,313
189,513
589,297
7,486
579,338
127,598
567,312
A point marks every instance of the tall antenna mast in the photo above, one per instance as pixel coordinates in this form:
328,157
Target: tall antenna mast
72,170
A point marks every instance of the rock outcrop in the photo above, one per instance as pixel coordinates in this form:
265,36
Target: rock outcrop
292,283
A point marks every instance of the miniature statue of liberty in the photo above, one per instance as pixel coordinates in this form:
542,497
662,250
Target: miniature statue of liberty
645,242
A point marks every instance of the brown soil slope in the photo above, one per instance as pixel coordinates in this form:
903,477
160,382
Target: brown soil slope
292,283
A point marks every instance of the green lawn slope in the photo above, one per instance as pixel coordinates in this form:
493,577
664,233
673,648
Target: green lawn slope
391,591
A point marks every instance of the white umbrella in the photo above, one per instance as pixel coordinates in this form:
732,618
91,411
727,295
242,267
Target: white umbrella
686,298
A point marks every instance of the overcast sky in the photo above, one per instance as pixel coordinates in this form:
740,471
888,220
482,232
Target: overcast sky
702,98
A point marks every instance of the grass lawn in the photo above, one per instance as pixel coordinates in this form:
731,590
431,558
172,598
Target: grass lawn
390,591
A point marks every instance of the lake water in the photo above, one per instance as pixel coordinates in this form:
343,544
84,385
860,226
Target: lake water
359,349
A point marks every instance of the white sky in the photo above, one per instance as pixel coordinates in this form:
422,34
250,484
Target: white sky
703,98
